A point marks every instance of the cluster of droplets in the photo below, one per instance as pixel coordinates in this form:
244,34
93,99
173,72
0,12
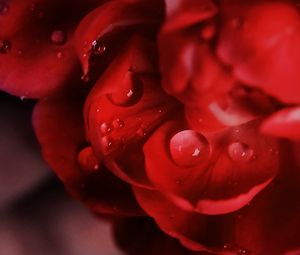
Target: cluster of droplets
106,129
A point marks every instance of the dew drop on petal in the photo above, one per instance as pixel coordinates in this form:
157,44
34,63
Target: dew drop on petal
98,47
5,46
4,8
240,151
87,160
59,55
189,148
85,78
105,128
237,22
58,37
107,143
130,93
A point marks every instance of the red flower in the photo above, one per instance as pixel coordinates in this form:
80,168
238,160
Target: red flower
189,113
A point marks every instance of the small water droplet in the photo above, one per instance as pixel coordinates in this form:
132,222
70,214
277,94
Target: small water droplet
189,148
118,123
98,47
105,128
97,110
58,37
59,55
4,46
4,8
87,160
141,132
20,52
85,78
240,151
23,98
208,32
237,23
107,143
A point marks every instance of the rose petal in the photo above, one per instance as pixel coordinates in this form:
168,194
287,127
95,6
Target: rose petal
260,40
109,17
285,123
37,56
141,236
125,106
270,224
59,128
223,170
195,231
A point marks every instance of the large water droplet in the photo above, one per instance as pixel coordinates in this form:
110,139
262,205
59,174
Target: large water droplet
240,151
98,47
58,37
4,8
128,94
87,160
189,148
105,128
4,46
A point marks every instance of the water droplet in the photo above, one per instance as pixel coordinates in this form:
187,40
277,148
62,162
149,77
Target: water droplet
23,98
107,143
237,23
85,78
97,110
242,251
98,47
240,151
189,148
87,160
128,94
105,128
4,46
208,32
20,52
118,123
59,55
141,132
4,8
58,37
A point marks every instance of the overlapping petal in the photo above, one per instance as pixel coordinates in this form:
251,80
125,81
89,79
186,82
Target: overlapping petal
260,39
58,123
123,109
211,173
37,58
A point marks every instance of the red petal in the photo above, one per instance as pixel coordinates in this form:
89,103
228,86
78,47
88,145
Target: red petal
285,123
260,40
109,17
37,55
58,124
270,225
123,109
141,236
195,231
241,163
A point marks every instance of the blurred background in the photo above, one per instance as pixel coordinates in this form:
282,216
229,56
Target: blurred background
36,215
